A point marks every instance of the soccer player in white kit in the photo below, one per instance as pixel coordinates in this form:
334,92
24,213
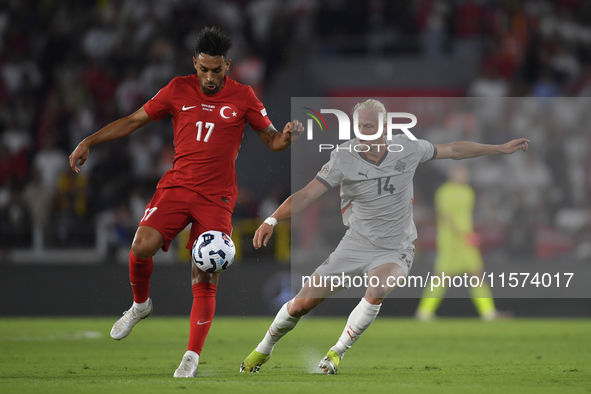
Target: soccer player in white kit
376,203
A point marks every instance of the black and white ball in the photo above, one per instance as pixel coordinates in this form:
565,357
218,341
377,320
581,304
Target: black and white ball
213,251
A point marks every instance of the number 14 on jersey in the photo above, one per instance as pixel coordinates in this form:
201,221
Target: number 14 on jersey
387,186
209,126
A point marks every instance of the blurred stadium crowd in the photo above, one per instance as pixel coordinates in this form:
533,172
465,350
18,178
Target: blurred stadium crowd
68,68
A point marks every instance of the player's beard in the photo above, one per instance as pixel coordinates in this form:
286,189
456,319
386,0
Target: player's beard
215,87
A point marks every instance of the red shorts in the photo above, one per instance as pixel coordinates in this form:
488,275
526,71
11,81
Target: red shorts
172,209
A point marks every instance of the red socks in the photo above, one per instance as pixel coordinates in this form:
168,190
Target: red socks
203,308
201,314
140,271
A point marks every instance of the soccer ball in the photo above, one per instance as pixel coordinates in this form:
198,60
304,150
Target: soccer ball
213,251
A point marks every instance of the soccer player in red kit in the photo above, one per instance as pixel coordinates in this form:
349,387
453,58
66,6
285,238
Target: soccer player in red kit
209,111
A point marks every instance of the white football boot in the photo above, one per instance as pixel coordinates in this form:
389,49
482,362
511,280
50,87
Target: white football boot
188,366
131,317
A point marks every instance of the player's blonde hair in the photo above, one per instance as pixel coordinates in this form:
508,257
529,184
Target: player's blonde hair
372,104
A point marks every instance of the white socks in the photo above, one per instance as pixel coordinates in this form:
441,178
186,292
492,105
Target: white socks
359,320
283,323
142,306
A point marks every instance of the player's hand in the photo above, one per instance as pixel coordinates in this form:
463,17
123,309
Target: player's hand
515,145
262,235
293,130
80,154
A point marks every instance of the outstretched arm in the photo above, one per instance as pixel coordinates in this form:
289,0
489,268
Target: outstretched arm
294,204
117,129
466,150
277,141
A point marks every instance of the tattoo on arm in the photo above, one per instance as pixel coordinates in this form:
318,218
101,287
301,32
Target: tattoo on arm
267,135
267,131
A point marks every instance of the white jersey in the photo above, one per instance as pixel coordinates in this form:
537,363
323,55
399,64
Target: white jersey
377,196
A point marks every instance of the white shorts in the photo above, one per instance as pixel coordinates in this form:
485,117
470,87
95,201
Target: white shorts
355,256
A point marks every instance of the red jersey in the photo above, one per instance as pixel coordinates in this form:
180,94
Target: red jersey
208,130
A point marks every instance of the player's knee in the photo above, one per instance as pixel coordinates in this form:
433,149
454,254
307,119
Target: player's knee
377,293
198,276
301,306
146,242
143,248
139,250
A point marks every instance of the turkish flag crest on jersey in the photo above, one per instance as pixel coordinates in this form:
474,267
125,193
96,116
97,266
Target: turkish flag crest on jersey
228,112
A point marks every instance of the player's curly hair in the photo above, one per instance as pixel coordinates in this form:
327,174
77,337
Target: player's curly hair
213,42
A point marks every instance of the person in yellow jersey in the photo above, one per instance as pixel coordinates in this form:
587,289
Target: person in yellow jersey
458,250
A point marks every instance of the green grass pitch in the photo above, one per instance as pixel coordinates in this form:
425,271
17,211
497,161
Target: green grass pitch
76,355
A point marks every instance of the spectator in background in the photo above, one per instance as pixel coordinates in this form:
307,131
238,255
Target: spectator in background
271,202
20,71
130,91
468,23
143,149
531,177
159,68
50,162
246,206
251,71
489,84
14,153
521,231
546,86
434,19
565,65
37,197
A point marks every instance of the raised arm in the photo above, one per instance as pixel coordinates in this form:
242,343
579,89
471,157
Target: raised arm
293,204
277,141
117,129
466,150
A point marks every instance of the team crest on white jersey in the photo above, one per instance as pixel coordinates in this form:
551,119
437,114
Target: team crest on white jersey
400,166
324,171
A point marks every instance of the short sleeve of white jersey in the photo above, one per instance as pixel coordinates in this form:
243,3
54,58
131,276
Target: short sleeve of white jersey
331,175
425,150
